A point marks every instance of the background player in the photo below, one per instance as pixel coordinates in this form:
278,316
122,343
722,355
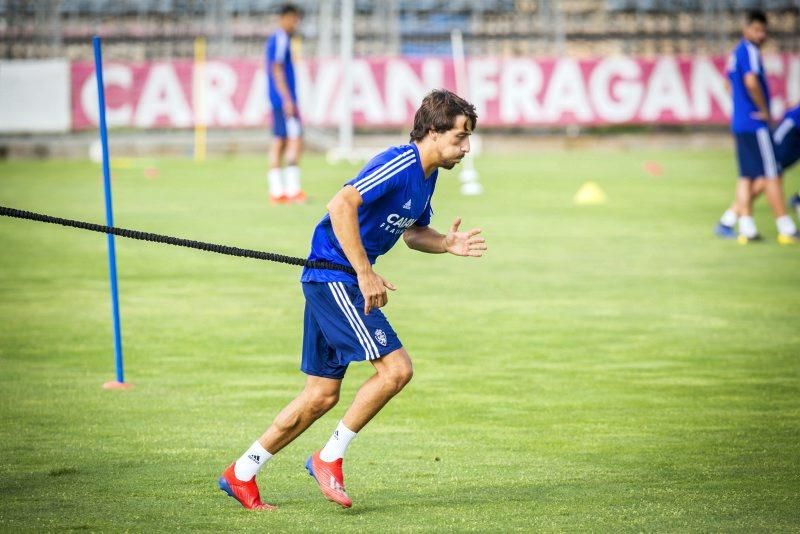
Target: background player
786,140
287,130
787,146
750,125
390,197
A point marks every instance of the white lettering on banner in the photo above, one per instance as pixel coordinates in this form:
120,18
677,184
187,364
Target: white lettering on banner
708,86
404,88
616,90
162,96
256,105
567,93
507,92
665,92
220,85
317,95
482,83
113,75
433,74
366,98
520,83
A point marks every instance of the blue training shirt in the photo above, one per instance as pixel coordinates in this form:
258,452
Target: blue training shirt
279,51
744,59
396,194
787,138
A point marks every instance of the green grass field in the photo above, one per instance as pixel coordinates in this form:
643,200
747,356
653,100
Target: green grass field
603,368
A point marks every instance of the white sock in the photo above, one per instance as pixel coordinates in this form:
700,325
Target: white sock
337,445
275,183
291,180
785,225
251,462
747,226
728,218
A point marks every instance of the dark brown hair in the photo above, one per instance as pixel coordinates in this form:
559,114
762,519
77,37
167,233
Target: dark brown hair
289,9
438,112
756,15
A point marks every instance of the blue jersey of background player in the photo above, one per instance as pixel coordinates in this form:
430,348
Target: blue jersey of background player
786,138
787,146
389,198
755,153
280,73
287,131
750,109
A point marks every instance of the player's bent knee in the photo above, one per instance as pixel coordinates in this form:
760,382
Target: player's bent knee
404,378
397,376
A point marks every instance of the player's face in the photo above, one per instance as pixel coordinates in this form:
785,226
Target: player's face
290,22
756,33
453,144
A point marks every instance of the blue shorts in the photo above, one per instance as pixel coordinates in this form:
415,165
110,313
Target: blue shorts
336,331
284,127
756,154
787,155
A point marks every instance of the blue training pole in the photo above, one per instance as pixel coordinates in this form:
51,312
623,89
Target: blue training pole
112,254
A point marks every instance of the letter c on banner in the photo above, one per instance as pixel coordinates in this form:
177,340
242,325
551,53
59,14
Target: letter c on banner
113,75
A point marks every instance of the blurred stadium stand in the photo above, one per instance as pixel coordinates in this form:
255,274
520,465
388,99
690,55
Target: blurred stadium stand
148,29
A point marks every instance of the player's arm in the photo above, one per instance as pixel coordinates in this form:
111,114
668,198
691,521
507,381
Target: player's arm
756,94
283,88
426,239
343,210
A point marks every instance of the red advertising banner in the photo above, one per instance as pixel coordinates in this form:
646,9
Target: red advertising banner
508,92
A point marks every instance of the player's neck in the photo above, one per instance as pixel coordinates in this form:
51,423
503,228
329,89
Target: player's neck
752,43
427,157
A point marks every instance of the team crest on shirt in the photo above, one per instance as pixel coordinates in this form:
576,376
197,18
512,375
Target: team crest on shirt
380,335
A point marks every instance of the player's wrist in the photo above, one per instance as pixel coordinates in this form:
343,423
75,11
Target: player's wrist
363,270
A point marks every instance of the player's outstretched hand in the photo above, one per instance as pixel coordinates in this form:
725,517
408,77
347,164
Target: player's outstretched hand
464,243
373,286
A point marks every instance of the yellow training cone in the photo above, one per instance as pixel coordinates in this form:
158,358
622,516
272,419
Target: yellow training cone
589,194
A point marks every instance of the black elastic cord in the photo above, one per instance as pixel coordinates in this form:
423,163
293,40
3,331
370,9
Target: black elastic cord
168,240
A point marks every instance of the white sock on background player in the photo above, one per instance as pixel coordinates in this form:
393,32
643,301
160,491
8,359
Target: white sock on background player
337,445
275,180
728,218
251,462
291,180
747,226
786,225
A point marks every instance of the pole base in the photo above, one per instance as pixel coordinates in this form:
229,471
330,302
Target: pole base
117,385
471,188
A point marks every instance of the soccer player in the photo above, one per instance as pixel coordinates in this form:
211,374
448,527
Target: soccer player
786,140
287,130
750,124
389,198
787,146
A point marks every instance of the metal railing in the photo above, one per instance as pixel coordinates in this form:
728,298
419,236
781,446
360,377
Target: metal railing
147,29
